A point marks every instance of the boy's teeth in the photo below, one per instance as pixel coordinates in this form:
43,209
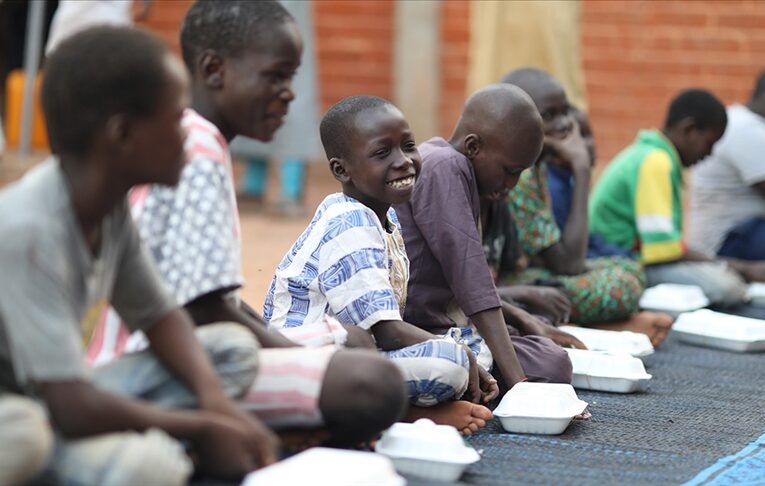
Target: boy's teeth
402,183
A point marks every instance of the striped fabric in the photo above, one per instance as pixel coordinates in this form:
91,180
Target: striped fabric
287,390
338,266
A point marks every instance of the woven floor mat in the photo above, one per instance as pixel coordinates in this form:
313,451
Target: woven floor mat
701,405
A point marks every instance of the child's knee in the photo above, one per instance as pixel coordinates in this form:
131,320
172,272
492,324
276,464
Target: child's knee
152,458
439,373
550,363
26,440
233,350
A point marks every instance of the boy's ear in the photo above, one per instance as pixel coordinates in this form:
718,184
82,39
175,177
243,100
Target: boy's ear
472,145
339,170
117,130
211,66
686,125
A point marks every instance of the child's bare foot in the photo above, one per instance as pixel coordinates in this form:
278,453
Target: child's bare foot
653,324
465,416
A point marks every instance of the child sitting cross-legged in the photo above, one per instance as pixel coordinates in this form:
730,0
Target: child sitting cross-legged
351,264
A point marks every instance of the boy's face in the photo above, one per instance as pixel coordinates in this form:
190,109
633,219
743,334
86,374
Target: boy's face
554,109
257,84
382,162
501,157
697,145
156,145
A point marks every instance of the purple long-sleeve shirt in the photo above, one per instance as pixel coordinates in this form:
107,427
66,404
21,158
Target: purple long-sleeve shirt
440,229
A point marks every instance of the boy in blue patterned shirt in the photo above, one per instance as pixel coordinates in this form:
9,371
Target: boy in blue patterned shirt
351,264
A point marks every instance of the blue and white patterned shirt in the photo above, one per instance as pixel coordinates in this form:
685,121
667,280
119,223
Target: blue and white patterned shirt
338,266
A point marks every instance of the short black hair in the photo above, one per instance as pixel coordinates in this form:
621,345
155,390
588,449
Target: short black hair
759,86
337,124
707,112
95,74
228,27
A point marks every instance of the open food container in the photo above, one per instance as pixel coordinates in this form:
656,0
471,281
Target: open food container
633,343
539,408
723,331
673,299
321,466
427,450
756,293
610,372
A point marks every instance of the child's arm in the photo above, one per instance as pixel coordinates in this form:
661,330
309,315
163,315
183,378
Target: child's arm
567,256
227,447
391,335
491,326
214,307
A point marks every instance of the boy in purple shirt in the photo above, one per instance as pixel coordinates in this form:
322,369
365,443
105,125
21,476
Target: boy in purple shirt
498,135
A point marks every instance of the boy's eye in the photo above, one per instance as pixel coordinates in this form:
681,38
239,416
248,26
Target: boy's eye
382,152
512,172
410,146
548,116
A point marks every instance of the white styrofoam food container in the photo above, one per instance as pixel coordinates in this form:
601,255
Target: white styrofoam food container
610,372
673,298
427,450
539,408
633,343
328,467
756,292
723,331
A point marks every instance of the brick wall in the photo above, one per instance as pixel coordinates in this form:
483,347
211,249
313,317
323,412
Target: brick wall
354,48
164,19
638,54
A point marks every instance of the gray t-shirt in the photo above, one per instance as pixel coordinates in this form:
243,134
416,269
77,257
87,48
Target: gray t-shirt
52,288
722,196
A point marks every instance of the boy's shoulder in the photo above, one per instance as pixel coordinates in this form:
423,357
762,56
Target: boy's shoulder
203,139
341,209
34,204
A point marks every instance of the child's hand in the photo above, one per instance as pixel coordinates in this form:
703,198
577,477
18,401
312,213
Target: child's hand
569,152
489,386
563,339
473,392
229,448
548,301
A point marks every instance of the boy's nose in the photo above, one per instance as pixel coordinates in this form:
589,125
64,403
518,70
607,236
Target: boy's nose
403,161
287,94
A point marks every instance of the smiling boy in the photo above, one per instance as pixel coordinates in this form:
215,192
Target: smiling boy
351,263
242,57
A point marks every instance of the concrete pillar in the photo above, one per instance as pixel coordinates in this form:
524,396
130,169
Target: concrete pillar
416,66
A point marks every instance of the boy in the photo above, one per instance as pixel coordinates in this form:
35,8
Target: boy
637,202
498,136
351,262
113,99
242,56
604,292
728,189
